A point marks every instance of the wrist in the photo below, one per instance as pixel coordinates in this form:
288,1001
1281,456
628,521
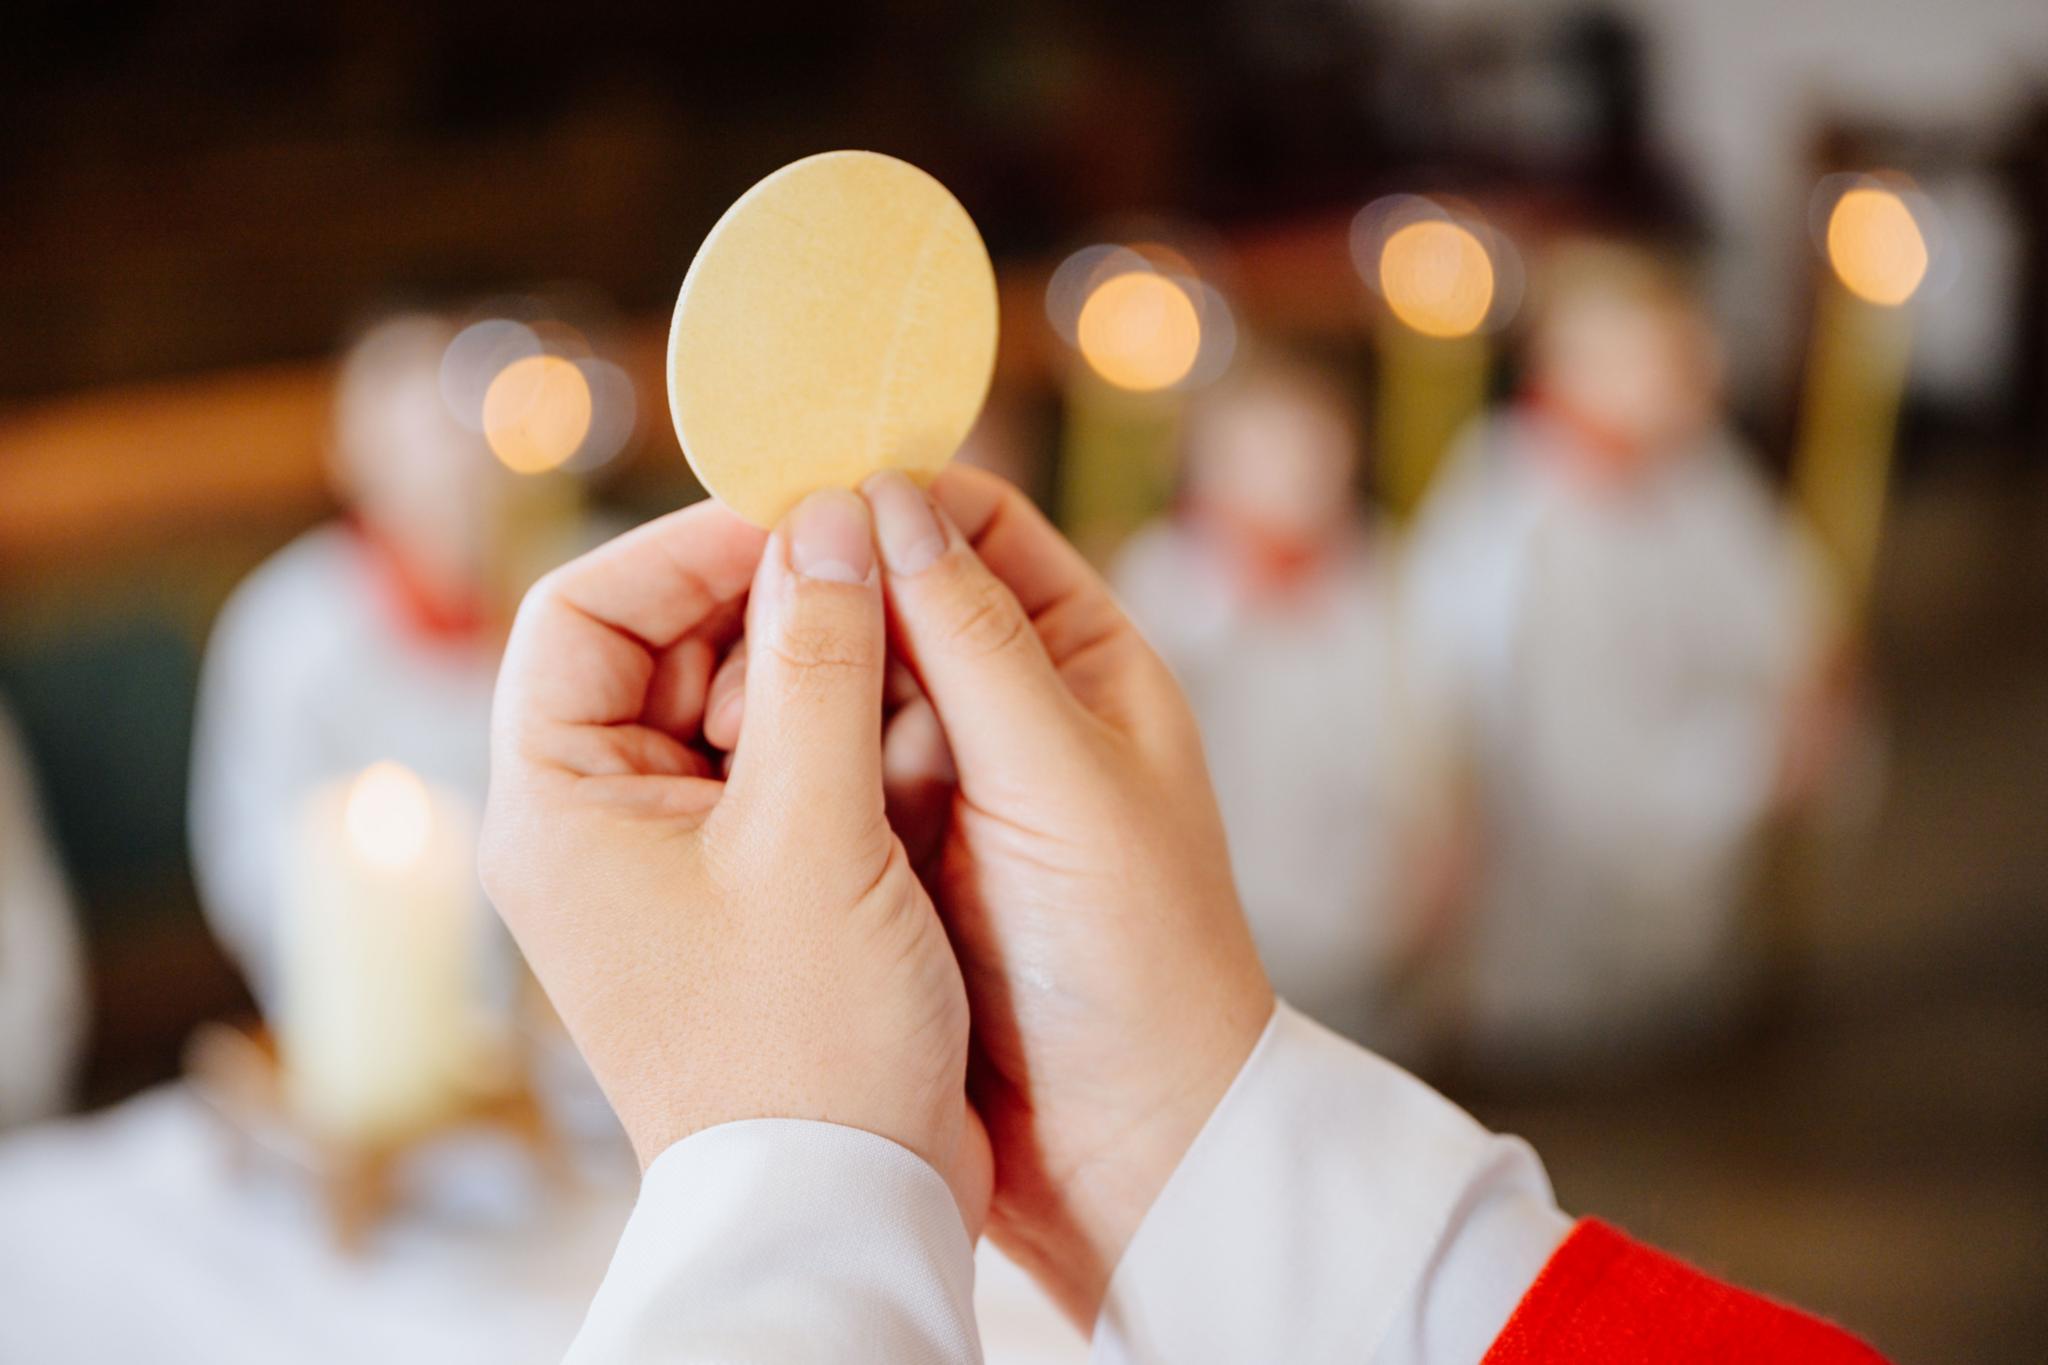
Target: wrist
1070,1229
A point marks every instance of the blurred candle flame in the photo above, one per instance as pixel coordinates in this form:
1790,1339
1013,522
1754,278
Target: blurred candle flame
1437,278
1876,247
1140,331
389,815
536,413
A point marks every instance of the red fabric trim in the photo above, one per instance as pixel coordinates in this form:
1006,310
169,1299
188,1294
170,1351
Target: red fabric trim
1596,450
422,613
1269,561
1604,1297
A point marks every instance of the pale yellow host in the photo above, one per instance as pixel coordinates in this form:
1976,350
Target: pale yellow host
840,319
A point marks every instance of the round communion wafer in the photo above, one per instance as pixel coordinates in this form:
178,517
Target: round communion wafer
840,319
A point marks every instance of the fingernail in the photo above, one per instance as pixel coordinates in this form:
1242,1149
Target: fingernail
909,532
829,537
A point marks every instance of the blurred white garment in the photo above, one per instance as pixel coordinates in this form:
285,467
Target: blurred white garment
1295,690
42,967
314,672
1617,665
132,1236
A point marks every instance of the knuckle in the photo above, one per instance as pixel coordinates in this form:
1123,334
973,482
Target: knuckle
547,594
985,619
828,642
549,587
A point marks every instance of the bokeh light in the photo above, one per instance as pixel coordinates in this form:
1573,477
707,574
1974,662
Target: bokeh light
1140,331
1440,268
1437,278
536,413
388,814
1876,246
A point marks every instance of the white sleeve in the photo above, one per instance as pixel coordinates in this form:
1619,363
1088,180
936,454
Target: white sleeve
776,1240
1334,1208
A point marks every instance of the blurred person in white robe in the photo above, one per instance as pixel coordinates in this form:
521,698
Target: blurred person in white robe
1617,628
366,639
1270,595
42,968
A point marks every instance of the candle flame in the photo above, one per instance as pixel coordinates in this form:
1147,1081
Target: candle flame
536,413
1876,246
1437,278
1140,331
388,815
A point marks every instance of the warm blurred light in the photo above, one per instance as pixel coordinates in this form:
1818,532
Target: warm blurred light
1876,246
389,815
1437,278
536,413
1440,267
1140,331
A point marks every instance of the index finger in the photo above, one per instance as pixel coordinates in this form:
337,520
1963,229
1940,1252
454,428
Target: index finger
583,650
1070,606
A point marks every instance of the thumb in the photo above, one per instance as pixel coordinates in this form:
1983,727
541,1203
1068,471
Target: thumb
811,749
971,643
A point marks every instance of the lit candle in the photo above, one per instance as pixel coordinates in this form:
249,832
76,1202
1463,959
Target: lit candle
1856,376
379,1028
1439,283
538,417
1143,337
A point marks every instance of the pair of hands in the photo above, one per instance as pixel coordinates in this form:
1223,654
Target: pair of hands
709,760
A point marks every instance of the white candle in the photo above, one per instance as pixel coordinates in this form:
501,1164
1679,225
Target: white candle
1429,388
1117,458
1438,280
1856,376
1143,338
379,1030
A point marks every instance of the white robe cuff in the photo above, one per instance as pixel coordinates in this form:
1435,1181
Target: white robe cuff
786,1240
1333,1208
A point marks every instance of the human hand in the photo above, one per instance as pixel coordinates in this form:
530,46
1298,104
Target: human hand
750,947
1082,870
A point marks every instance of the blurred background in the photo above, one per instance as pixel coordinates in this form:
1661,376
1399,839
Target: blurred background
1587,463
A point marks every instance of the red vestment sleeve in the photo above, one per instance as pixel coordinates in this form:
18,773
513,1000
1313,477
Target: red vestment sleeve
1603,1297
